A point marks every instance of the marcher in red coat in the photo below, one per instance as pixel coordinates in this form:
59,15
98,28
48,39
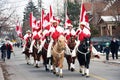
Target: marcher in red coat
27,36
55,31
81,33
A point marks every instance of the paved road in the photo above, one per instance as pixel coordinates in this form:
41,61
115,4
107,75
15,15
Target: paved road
18,70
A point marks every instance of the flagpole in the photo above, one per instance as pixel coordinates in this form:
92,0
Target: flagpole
81,7
66,5
41,14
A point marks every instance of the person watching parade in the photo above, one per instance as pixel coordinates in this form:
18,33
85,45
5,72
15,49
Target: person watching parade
9,49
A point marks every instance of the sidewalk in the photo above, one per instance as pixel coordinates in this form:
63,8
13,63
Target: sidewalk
1,72
103,59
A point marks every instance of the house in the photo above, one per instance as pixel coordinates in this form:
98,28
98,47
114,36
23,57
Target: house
104,16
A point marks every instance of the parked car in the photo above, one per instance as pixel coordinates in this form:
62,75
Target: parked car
100,42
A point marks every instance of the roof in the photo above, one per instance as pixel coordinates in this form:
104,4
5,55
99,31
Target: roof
108,18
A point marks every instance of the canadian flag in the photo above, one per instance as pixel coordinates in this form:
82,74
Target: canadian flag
33,22
46,22
84,16
19,30
84,20
67,21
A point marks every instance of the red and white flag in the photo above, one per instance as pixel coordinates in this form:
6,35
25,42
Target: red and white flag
84,20
46,22
67,21
19,30
84,16
33,22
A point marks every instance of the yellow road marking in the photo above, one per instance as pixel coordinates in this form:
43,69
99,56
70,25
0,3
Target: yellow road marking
95,76
92,75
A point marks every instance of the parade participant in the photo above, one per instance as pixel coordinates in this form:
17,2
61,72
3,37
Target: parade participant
45,33
27,36
82,33
36,36
43,49
69,32
35,44
55,32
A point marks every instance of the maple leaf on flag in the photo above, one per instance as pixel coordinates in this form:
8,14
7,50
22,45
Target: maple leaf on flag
33,22
46,22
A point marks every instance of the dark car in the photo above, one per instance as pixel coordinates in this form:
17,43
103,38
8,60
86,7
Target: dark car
100,42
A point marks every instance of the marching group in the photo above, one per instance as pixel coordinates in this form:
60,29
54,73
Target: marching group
54,31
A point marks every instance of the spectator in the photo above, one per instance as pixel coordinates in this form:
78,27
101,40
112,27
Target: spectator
9,50
3,51
114,47
107,50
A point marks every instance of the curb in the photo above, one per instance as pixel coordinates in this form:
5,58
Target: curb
114,62
1,73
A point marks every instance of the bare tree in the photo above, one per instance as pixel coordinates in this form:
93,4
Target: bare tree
6,16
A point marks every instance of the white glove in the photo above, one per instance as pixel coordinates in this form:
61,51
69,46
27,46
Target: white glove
68,52
75,49
49,48
41,46
31,46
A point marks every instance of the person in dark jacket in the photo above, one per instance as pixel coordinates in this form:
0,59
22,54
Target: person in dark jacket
3,51
107,50
9,50
114,46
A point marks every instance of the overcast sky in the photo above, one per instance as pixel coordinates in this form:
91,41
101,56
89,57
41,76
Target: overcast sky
21,4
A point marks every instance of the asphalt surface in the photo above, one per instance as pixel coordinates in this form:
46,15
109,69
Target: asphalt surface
3,72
